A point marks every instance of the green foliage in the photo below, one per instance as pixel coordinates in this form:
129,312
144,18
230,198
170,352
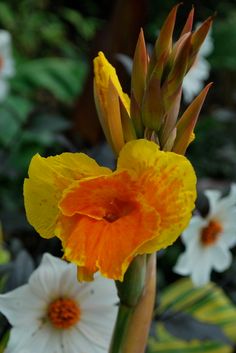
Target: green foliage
224,54
208,306
3,342
214,143
62,77
44,27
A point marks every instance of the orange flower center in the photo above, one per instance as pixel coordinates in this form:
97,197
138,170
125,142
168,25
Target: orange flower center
211,233
63,313
117,209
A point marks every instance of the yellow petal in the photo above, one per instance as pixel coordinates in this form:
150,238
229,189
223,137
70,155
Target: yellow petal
168,182
104,72
48,178
108,94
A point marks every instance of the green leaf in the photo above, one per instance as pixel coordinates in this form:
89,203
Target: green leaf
168,344
224,32
9,125
20,106
86,27
208,305
61,76
3,342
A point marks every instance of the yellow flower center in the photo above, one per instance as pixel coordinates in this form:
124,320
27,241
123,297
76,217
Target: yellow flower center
63,313
211,233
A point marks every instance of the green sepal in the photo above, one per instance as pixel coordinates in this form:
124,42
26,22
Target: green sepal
131,289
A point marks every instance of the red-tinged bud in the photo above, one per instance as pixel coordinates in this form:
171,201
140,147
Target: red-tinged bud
153,105
175,78
135,114
189,23
170,141
139,71
198,38
170,121
187,122
163,45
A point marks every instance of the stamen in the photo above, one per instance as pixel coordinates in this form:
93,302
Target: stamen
211,233
63,313
117,209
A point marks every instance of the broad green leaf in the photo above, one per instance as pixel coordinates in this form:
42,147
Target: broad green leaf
60,76
20,106
208,304
9,125
3,342
169,344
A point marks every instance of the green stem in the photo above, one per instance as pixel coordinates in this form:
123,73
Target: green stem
122,324
137,296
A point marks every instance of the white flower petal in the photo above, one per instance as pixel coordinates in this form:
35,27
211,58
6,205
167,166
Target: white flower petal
75,342
43,339
26,309
94,328
51,278
19,303
221,258
201,272
102,291
18,339
228,238
194,229
183,265
189,259
213,198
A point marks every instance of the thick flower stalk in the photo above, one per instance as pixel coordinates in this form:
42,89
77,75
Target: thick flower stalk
152,111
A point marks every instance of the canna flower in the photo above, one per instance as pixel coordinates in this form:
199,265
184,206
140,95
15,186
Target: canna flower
104,218
55,313
6,63
152,112
209,239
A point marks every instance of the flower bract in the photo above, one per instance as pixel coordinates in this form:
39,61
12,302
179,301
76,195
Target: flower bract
104,218
56,313
209,239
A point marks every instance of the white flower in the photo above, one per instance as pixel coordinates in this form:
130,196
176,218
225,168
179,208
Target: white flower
54,313
199,72
6,63
209,239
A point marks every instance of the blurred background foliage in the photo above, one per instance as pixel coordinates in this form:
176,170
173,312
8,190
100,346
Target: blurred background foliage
50,110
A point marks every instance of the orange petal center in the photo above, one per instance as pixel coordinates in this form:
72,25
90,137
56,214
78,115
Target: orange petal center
116,209
63,313
210,233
